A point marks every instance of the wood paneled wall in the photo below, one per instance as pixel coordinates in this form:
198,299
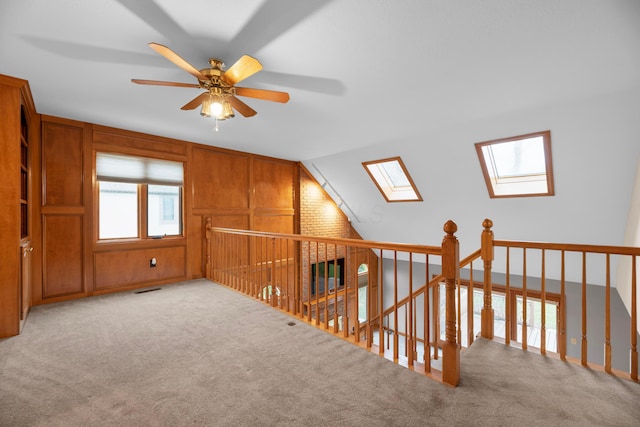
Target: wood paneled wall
236,189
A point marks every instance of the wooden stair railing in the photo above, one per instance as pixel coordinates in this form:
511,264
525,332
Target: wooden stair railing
271,267
543,249
275,268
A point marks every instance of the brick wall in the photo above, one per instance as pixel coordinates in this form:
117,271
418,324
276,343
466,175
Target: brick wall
319,216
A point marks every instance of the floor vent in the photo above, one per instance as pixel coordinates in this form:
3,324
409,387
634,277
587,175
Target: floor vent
147,290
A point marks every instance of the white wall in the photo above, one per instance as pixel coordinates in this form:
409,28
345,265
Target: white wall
594,148
631,238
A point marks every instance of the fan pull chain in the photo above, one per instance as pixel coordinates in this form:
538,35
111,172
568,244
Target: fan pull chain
217,128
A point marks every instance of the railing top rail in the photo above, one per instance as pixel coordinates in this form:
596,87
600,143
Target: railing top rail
570,247
367,244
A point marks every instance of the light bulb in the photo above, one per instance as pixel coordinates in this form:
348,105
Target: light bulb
216,108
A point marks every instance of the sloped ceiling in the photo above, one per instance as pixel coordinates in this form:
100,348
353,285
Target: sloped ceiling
370,79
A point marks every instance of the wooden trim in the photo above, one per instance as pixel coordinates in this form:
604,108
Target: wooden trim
406,172
598,249
546,137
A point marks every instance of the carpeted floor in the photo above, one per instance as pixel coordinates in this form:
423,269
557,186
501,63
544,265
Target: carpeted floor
197,353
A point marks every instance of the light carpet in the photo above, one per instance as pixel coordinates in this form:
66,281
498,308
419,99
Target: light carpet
199,354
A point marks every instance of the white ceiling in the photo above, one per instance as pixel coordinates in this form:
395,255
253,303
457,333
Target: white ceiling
367,78
358,71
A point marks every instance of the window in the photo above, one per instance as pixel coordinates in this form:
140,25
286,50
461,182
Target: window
363,285
138,197
518,166
500,300
330,275
163,213
118,210
393,180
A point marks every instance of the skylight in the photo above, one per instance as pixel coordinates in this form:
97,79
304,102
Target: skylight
393,180
518,166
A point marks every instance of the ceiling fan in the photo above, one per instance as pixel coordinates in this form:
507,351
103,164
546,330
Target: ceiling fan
219,100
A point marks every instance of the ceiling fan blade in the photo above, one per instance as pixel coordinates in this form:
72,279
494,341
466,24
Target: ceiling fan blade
161,83
176,59
267,95
244,67
241,107
195,102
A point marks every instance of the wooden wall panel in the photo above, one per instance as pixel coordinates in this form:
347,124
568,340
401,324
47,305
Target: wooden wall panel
63,261
220,180
273,183
62,176
240,222
137,141
274,223
196,242
131,267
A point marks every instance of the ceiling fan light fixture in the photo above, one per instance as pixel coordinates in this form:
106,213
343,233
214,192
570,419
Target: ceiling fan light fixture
219,85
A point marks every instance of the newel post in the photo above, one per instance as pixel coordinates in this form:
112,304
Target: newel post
207,236
450,266
486,252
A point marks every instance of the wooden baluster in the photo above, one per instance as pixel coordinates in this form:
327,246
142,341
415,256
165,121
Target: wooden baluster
348,260
229,250
583,353
380,305
259,269
336,326
326,287
524,299
279,284
436,321
470,307
228,246
225,259
284,290
264,293
218,256
368,330
563,315
395,306
255,267
486,252
274,290
355,256
242,264
458,311
317,288
207,235
288,298
450,268
427,315
607,317
236,262
543,311
410,332
296,268
508,315
634,322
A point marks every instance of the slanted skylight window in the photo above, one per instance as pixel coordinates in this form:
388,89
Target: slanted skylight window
393,180
519,166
